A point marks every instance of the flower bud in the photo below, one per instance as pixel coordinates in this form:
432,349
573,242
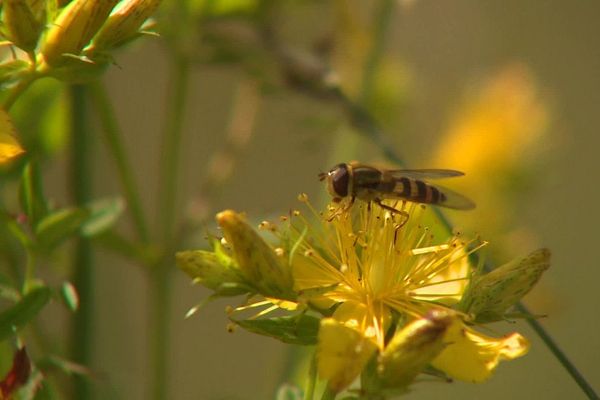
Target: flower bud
73,29
22,28
211,270
492,294
123,24
412,349
257,261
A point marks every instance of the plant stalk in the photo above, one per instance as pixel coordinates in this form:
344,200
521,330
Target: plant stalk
113,137
80,170
161,276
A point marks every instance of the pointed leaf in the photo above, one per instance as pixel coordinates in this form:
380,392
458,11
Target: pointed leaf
58,226
24,311
69,295
31,196
301,329
104,213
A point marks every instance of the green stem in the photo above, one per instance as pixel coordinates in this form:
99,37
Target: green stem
80,186
558,353
328,394
162,274
169,172
29,271
311,379
113,137
381,23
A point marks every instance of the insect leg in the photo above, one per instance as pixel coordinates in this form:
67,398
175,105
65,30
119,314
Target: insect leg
347,207
342,209
394,211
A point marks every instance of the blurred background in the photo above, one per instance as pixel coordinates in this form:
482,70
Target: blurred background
506,91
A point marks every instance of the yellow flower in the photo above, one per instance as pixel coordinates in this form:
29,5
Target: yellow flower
374,290
379,268
9,146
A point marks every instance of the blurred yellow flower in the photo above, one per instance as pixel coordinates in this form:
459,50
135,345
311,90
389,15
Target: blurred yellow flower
495,128
496,137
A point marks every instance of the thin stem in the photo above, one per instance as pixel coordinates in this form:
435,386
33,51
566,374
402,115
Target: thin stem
113,137
328,394
162,274
29,270
381,24
80,186
311,379
171,150
558,353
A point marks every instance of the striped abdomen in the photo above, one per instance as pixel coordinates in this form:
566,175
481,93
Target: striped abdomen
417,191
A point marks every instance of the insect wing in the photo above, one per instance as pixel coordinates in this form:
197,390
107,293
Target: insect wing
453,200
422,174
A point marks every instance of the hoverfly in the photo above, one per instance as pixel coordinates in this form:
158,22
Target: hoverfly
360,181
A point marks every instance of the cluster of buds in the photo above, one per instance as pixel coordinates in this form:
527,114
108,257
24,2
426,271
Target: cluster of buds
379,298
74,42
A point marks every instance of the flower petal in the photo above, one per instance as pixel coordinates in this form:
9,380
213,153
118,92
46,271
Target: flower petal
342,353
472,356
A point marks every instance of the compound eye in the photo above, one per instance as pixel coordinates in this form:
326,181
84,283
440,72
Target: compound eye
339,180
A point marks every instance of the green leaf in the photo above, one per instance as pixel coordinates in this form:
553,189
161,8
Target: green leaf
33,202
24,311
104,213
10,71
301,329
11,228
288,392
70,296
58,226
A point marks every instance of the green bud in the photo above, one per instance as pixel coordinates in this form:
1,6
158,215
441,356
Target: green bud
413,348
22,28
211,270
123,24
492,294
264,269
73,29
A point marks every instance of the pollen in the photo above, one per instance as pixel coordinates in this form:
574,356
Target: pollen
303,198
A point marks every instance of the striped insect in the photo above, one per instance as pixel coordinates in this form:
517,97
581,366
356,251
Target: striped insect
370,184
